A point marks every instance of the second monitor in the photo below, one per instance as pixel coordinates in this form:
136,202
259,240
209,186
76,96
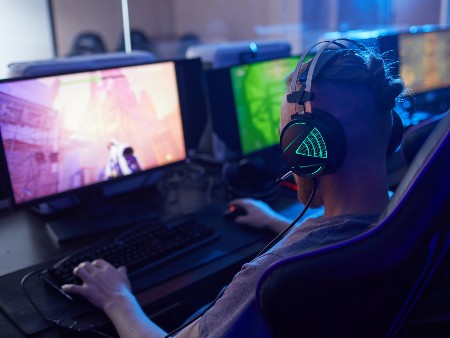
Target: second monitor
244,103
424,60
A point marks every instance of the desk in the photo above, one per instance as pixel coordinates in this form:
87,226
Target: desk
168,299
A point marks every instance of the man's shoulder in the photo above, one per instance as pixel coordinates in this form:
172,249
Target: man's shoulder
321,231
337,221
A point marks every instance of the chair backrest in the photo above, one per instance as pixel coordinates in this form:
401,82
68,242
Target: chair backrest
87,43
367,286
415,136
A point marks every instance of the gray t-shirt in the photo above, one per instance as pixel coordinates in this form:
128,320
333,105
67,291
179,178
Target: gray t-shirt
235,314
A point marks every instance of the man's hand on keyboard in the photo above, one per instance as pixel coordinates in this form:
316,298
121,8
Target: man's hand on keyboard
109,289
103,284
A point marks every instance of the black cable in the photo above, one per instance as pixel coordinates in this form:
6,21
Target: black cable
264,250
285,231
27,295
66,323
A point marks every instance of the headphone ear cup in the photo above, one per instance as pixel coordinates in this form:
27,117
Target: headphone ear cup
396,133
313,146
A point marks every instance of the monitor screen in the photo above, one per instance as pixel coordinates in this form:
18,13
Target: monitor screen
65,132
258,90
425,60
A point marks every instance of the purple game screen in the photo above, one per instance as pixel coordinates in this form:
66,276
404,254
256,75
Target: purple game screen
63,132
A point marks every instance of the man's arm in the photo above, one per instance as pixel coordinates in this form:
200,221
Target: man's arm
109,289
130,320
260,215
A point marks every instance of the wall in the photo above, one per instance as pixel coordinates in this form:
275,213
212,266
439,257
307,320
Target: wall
224,20
74,16
154,17
445,12
416,13
214,20
300,21
25,32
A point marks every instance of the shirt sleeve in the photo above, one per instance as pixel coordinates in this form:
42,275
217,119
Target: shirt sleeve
235,314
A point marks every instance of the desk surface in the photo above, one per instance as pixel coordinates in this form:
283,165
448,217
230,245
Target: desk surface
26,246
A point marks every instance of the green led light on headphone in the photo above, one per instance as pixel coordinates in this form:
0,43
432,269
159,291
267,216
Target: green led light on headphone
313,145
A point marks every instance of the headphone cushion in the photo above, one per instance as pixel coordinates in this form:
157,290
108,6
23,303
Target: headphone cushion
314,145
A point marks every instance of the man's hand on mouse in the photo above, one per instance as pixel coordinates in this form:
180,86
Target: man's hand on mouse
260,215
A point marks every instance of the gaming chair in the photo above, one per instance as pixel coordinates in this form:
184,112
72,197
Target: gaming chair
392,280
416,136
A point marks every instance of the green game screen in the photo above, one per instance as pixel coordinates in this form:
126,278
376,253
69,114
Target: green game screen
258,90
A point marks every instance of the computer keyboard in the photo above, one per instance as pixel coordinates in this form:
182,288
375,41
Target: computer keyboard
140,249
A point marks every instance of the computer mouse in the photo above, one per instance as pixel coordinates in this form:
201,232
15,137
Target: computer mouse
233,211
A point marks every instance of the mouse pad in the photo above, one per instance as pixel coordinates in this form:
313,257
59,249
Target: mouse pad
23,312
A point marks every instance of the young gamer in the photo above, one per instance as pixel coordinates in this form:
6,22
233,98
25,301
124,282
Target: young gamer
337,126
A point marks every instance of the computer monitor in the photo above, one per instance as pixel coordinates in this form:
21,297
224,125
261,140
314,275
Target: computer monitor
425,60
64,133
227,54
258,91
244,103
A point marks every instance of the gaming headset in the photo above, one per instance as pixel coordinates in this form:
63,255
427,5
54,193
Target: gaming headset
313,143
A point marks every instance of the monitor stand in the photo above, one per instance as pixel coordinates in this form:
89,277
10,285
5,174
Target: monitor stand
90,218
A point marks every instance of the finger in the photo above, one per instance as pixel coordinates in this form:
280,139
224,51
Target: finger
239,201
122,269
100,263
73,288
235,201
86,266
81,272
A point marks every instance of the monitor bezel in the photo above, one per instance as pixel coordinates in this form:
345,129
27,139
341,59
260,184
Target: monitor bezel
98,186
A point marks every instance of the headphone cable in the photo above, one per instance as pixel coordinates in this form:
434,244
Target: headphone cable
285,231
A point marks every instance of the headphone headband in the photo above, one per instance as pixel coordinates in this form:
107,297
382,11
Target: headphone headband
304,97
314,143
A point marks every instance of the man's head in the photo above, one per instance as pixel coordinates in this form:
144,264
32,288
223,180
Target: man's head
357,89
